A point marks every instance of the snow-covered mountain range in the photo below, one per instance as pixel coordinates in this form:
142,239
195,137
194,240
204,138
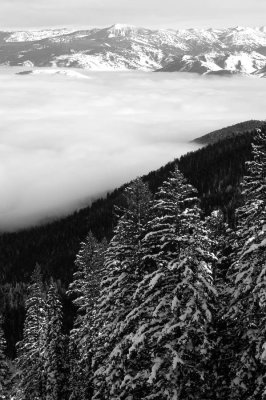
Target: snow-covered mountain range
123,47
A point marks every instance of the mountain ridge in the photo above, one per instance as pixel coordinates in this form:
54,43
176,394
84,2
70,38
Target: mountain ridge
121,47
218,135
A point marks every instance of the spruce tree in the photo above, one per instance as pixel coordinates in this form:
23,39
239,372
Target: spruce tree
4,368
175,300
85,288
122,273
219,365
247,313
53,349
30,360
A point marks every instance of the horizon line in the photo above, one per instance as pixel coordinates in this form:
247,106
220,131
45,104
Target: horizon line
89,27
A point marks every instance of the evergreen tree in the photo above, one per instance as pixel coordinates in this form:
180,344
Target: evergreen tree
122,273
85,288
4,369
30,361
175,299
53,350
219,366
247,313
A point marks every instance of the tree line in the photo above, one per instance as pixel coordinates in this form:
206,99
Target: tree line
215,171
173,307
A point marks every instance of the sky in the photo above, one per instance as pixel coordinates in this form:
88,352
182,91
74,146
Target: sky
22,14
66,140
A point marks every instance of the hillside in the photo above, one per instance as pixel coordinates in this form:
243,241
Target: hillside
215,170
219,63
228,132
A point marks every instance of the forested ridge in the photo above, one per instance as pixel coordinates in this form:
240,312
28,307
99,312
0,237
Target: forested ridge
173,307
229,131
215,171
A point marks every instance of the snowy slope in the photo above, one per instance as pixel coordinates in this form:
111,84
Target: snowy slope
260,73
244,38
236,62
108,61
31,36
55,71
126,47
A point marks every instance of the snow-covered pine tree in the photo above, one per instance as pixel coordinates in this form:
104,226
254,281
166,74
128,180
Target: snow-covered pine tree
77,383
122,273
175,300
163,240
85,288
53,346
4,368
247,274
222,236
30,360
219,367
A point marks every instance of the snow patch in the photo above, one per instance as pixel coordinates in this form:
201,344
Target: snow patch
51,71
31,36
156,366
155,280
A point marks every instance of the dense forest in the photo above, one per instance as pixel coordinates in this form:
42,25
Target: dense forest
215,171
172,307
229,132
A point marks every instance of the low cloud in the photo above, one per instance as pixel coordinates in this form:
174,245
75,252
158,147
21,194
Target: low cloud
64,141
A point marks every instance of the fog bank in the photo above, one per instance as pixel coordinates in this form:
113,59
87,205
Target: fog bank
65,140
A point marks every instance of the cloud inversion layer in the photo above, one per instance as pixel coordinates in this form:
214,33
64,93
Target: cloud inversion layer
64,140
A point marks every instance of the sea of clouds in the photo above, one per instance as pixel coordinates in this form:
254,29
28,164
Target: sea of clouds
65,140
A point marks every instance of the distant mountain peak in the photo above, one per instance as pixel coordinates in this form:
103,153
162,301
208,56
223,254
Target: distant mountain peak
122,29
240,28
223,52
119,26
